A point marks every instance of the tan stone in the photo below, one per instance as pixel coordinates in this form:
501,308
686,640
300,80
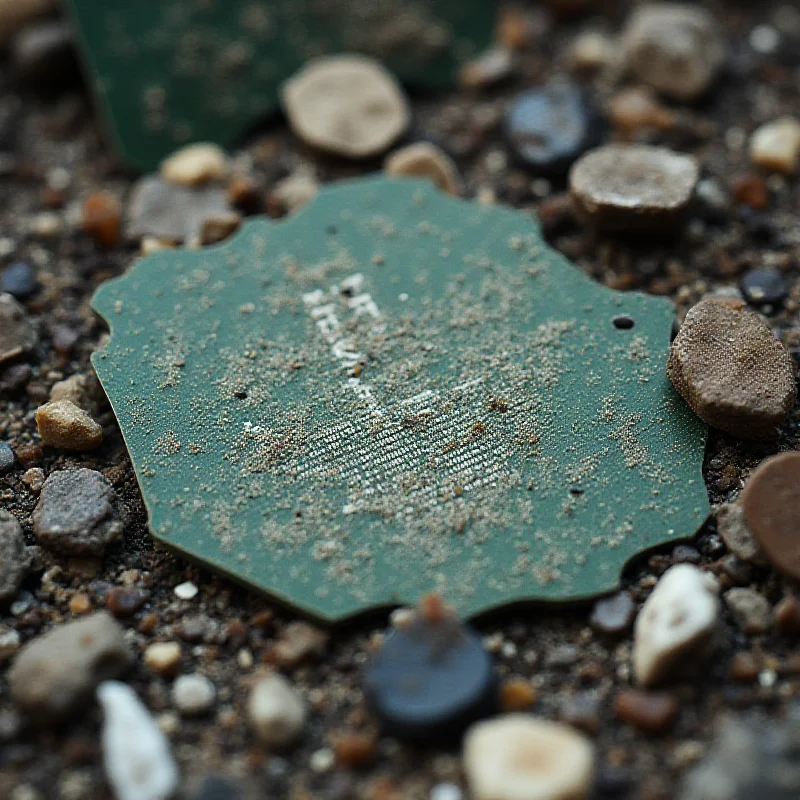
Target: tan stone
348,105
195,164
776,146
425,160
62,424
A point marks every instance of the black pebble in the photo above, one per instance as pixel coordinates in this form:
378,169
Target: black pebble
763,287
19,280
431,680
551,126
6,457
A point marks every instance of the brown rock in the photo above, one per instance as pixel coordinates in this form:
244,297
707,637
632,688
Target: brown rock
425,160
787,615
124,601
730,369
771,504
355,749
744,667
737,536
635,108
651,712
751,611
102,219
675,49
216,229
751,190
517,694
625,186
62,424
298,642
776,146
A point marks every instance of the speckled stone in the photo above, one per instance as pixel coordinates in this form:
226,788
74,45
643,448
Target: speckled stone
771,505
14,557
75,513
731,370
17,333
750,611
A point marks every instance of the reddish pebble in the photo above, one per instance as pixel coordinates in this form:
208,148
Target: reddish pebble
651,712
355,749
771,505
124,602
28,454
80,603
751,190
787,615
102,219
744,667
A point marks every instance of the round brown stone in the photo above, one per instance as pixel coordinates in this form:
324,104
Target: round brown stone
771,504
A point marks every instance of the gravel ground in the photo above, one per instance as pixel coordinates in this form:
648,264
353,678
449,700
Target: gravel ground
54,157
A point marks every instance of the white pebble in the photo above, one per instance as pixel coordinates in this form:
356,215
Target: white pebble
276,711
776,146
193,694
520,757
764,39
195,164
348,105
322,760
138,762
678,619
186,591
446,791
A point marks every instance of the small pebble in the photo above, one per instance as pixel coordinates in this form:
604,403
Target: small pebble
737,536
613,616
651,712
217,229
751,190
62,424
673,48
136,754
276,712
431,679
583,711
298,642
102,219
43,54
293,192
356,749
186,590
125,601
776,146
771,505
14,557
193,694
215,787
34,479
490,68
76,514
163,658
787,615
744,668
17,334
551,126
731,370
630,186
762,287
56,672
520,757
195,164
19,279
10,643
517,694
347,105
79,390
7,458
635,108
675,624
590,52
425,160
172,213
